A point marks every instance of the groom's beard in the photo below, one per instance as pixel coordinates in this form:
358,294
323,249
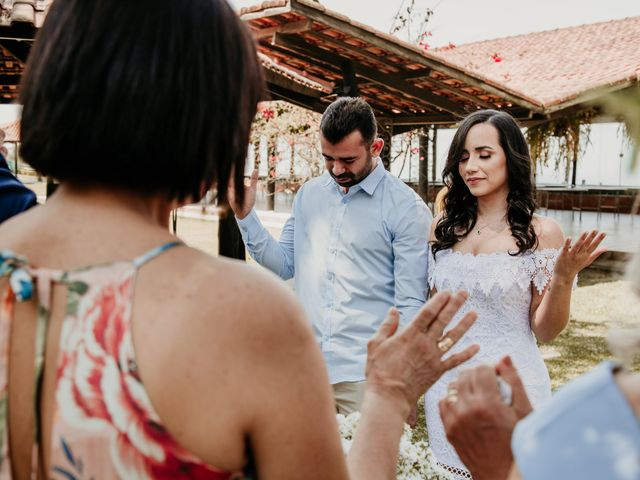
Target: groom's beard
349,179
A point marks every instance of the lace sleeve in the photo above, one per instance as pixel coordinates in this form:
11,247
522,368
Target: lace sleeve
540,268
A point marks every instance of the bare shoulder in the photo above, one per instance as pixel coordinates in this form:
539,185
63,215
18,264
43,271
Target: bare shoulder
244,297
215,335
549,232
215,308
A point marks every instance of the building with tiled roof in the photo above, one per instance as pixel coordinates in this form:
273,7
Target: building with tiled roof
559,68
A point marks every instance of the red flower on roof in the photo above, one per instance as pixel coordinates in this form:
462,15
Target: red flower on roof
496,57
425,46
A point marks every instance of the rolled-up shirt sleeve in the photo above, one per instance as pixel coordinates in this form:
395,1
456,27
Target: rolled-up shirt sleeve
411,259
277,256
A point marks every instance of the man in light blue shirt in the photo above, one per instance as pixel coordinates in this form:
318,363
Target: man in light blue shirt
356,245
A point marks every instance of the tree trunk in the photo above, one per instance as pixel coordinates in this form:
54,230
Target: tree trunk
434,152
272,153
230,242
423,165
386,133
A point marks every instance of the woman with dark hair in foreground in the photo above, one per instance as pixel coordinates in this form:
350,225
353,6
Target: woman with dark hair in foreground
116,363
517,267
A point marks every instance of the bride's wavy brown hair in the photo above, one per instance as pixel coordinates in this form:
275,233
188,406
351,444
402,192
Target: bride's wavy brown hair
460,206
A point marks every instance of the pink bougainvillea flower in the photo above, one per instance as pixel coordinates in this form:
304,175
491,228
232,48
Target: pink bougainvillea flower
268,113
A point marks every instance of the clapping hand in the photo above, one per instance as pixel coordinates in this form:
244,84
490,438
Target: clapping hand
250,188
580,255
478,422
404,365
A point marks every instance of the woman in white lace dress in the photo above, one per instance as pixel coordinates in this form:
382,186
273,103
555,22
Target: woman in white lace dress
517,267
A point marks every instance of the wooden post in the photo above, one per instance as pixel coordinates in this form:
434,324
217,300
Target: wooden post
385,131
434,151
51,187
576,150
16,147
256,154
349,80
423,165
230,242
272,153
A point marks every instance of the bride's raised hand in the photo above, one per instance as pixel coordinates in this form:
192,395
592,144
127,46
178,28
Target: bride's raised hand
579,255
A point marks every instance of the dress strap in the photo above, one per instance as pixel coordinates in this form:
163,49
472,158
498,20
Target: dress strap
154,252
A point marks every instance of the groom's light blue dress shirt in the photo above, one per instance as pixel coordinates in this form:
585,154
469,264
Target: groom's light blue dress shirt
353,256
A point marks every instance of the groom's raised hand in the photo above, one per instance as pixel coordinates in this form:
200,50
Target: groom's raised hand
241,210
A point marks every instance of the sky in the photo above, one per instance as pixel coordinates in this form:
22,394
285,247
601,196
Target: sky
464,21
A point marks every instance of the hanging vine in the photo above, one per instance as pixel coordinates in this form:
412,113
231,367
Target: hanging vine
559,141
626,106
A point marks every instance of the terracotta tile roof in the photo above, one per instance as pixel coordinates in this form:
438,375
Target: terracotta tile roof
400,80
12,131
556,67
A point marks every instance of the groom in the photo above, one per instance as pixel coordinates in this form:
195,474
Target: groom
356,244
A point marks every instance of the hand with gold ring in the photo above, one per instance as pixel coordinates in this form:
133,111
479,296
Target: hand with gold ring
479,418
444,344
407,363
452,393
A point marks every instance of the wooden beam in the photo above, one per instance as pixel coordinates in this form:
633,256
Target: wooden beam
18,48
18,31
404,50
354,50
416,121
458,92
265,12
290,84
583,100
301,100
334,69
391,81
7,79
416,74
318,63
291,27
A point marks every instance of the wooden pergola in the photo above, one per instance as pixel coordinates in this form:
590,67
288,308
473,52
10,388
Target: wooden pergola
407,87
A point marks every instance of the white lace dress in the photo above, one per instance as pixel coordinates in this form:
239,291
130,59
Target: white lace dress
499,287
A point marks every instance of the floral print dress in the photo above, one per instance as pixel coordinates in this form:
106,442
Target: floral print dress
104,425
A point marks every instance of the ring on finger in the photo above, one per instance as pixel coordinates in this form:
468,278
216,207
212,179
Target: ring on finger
444,344
452,395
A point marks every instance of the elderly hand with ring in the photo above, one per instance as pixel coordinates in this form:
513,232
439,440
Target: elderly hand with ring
479,417
411,361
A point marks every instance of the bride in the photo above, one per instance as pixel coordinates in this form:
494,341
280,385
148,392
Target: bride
517,267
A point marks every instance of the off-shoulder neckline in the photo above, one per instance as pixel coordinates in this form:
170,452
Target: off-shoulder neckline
451,251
